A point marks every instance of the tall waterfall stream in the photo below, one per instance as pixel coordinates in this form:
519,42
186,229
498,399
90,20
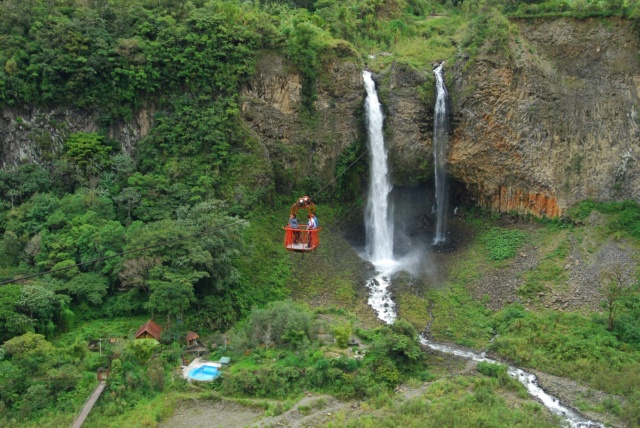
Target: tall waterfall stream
440,138
379,249
378,218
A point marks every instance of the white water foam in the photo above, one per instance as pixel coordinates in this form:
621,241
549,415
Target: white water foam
379,296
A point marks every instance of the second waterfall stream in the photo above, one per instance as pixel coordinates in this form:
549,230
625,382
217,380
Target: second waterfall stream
379,243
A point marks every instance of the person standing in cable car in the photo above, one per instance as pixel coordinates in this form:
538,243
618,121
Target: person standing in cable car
293,221
293,224
312,224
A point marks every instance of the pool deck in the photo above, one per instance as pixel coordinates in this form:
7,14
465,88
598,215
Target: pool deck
197,362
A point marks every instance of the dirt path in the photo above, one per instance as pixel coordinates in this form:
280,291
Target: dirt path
310,412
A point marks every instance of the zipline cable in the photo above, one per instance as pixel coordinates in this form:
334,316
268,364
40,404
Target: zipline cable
345,170
148,247
168,242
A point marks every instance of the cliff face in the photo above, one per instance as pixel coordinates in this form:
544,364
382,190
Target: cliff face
555,123
303,144
551,122
408,124
30,134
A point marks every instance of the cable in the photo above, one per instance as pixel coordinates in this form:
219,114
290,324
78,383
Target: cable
345,213
345,170
206,231
148,247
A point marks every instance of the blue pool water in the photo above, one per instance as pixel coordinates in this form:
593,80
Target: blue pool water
204,373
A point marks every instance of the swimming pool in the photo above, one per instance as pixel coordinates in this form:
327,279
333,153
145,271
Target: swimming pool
204,373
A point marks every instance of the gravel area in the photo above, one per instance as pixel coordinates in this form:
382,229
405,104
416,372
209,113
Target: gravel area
211,414
310,412
501,285
585,271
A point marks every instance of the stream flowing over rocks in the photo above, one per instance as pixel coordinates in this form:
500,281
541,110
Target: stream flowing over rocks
380,252
378,299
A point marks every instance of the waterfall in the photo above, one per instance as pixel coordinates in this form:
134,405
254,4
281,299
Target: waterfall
378,219
440,155
379,233
378,223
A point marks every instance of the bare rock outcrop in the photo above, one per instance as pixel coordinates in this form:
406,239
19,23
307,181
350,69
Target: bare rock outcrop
409,123
30,134
555,123
303,143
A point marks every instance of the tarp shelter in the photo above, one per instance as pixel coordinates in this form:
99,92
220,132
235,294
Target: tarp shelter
149,330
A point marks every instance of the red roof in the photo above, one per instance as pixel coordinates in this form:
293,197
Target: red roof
192,336
151,329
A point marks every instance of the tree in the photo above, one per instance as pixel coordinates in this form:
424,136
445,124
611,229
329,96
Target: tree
10,249
614,285
342,333
136,272
627,324
172,293
398,342
90,287
38,301
31,351
192,255
129,198
12,321
279,323
141,349
89,152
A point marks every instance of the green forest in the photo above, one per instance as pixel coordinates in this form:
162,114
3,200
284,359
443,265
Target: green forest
186,228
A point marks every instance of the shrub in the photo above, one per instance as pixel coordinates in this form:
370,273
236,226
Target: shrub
141,349
342,334
491,369
503,244
279,323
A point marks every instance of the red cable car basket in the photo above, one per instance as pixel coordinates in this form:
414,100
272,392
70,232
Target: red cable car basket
301,238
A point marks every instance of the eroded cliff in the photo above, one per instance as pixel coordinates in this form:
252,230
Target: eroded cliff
32,134
303,144
550,122
554,123
535,130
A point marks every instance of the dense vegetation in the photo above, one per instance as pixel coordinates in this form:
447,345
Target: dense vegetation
194,196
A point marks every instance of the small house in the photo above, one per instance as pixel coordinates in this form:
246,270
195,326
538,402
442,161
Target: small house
149,330
192,338
193,346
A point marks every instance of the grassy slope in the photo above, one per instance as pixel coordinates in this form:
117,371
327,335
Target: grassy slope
560,328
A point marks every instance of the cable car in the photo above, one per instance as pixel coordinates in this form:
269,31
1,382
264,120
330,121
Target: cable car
302,238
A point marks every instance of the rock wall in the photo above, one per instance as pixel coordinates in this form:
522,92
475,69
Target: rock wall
408,124
554,123
551,123
302,144
30,134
